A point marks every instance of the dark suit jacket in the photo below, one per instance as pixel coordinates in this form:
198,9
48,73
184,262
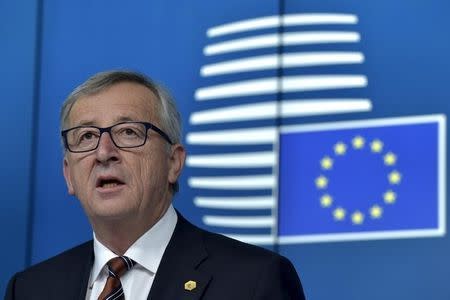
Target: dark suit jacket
224,269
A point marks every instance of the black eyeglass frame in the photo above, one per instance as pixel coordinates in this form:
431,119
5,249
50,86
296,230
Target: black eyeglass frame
108,130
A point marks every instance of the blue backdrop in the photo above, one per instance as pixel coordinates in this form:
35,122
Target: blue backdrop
310,68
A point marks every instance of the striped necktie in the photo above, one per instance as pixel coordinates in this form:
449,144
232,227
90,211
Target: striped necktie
117,266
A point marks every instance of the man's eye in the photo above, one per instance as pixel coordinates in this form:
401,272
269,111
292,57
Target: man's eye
129,131
87,136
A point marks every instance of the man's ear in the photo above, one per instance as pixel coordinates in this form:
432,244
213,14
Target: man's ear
66,171
176,162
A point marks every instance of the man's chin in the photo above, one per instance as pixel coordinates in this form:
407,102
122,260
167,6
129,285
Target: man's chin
111,215
111,207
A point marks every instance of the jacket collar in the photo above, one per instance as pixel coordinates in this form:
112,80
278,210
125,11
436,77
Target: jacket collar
78,271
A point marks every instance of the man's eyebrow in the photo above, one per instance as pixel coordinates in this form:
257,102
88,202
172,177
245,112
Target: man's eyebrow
85,123
125,119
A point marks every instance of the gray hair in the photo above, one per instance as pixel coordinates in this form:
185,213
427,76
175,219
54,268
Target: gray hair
169,116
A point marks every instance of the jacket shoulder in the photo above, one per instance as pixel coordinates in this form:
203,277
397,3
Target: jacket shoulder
224,246
256,272
67,272
217,244
62,261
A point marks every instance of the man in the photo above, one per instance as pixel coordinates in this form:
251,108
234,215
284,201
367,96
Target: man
123,156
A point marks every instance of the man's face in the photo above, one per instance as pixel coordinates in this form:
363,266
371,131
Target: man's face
122,184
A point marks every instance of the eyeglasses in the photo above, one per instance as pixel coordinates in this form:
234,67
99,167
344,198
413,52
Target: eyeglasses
123,135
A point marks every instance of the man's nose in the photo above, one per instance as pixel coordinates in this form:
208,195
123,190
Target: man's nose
106,150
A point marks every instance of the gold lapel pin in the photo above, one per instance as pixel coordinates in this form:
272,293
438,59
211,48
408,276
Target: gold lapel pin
190,285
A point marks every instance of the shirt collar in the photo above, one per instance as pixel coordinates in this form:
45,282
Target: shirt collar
147,251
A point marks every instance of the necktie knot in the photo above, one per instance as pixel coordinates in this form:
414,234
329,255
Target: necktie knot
117,266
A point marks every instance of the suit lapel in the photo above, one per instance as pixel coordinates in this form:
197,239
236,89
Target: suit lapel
178,276
73,280
85,272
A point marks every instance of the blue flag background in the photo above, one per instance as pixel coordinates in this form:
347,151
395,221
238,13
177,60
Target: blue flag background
368,177
399,55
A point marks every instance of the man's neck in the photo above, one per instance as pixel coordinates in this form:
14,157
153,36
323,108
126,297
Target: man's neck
119,235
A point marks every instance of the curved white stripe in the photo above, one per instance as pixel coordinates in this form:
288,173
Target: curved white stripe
289,108
251,24
251,136
286,39
232,160
254,111
233,182
261,41
239,221
318,18
235,202
288,60
326,107
239,88
288,84
322,82
256,239
263,62
286,20
320,37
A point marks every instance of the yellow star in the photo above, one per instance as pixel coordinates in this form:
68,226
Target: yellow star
390,159
376,212
357,217
326,163
358,142
321,182
340,148
376,146
326,200
394,177
389,197
339,214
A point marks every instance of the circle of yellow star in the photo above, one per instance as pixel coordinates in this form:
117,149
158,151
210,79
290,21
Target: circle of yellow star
376,212
389,197
340,148
357,217
326,163
339,214
358,142
376,146
326,200
395,177
321,182
390,159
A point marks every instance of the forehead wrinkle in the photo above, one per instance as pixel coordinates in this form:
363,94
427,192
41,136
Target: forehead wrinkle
148,113
116,120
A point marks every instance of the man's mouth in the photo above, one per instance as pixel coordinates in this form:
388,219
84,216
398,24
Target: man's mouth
108,183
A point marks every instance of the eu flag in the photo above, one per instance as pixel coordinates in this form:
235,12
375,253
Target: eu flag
362,180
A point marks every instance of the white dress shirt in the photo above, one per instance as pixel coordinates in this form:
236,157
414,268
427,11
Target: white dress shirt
147,252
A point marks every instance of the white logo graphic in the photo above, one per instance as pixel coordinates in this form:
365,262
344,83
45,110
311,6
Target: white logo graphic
255,72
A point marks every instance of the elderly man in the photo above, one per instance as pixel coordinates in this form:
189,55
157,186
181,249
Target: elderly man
123,156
